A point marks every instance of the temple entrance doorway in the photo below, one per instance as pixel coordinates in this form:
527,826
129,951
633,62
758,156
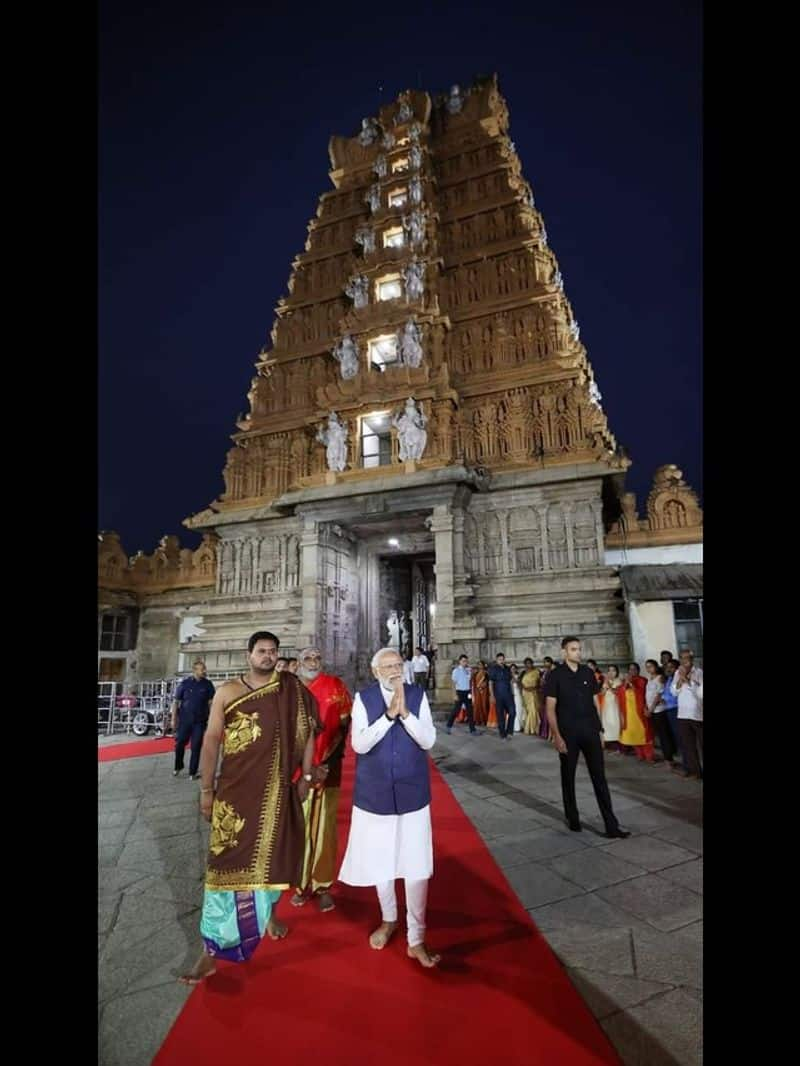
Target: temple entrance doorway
397,584
407,602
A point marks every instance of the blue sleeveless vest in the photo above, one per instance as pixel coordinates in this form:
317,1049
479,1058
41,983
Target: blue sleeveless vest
394,777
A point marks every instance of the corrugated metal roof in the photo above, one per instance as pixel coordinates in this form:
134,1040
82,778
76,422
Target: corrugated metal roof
673,581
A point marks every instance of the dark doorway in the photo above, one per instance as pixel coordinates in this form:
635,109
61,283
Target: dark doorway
407,606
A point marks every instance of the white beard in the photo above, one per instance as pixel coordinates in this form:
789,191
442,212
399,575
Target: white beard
308,675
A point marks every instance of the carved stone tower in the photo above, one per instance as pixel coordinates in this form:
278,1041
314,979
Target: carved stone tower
425,397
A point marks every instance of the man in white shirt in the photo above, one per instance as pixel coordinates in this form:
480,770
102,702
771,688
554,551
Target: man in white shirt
420,665
688,687
462,678
408,671
390,830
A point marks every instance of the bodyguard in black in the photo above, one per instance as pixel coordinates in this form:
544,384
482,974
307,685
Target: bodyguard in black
193,696
501,692
575,727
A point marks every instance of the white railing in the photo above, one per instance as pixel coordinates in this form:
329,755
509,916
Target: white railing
142,705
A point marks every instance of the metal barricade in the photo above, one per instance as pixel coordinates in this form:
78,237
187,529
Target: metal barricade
107,692
144,705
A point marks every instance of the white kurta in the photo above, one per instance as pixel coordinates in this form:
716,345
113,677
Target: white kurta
382,847
519,707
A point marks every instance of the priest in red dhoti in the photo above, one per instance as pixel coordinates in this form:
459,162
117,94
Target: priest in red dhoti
321,805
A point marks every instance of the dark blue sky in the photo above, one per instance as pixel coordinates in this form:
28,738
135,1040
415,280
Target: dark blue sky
214,122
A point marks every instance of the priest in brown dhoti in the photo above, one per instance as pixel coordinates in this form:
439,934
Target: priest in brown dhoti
265,721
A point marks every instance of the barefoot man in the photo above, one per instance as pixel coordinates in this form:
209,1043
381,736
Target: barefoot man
266,721
390,830
321,807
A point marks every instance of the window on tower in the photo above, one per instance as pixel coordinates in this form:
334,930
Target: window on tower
394,237
389,287
383,352
399,165
376,439
398,197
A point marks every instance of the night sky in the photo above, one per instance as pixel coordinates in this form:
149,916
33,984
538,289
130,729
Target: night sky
214,121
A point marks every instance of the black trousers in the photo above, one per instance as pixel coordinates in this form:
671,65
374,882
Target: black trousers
586,739
189,731
663,731
463,699
506,711
692,737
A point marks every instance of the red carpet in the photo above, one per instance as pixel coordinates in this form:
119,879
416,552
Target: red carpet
324,996
136,748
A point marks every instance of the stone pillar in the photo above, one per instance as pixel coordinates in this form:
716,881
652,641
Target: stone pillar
369,638
480,562
542,512
567,510
310,550
222,551
502,517
236,548
458,538
441,525
597,511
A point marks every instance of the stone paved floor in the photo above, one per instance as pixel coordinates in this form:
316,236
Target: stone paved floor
624,916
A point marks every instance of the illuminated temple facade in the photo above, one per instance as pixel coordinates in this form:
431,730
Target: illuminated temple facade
425,458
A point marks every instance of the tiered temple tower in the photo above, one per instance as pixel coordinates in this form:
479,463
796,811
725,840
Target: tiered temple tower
425,452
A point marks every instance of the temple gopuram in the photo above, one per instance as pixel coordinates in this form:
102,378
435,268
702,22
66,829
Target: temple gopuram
425,458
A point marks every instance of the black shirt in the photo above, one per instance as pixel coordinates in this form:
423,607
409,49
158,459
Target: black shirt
194,694
500,676
574,692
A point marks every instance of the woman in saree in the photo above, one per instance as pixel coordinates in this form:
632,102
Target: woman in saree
480,694
530,680
610,714
636,732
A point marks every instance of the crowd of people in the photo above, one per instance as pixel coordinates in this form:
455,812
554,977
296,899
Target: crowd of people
665,705
268,747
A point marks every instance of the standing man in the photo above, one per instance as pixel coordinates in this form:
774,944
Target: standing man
390,830
592,664
544,724
688,686
322,804
657,710
671,710
431,652
265,721
501,693
462,682
408,671
191,706
420,664
575,726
